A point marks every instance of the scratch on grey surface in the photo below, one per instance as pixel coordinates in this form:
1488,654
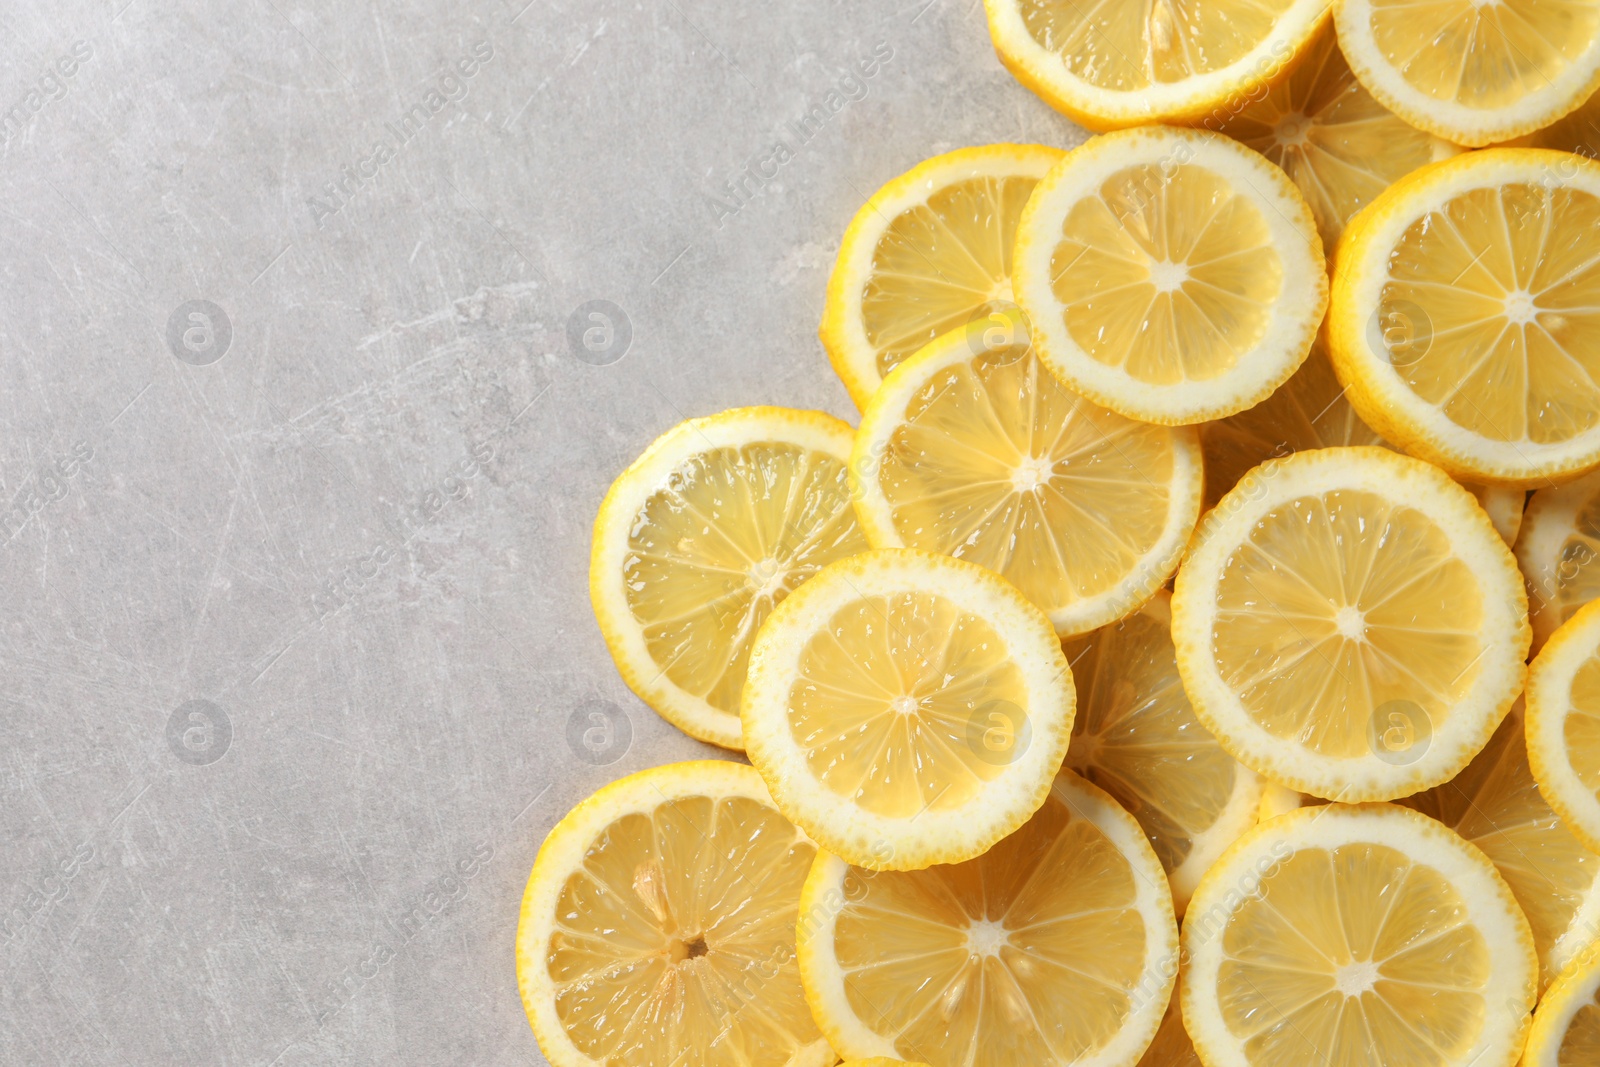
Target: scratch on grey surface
463,309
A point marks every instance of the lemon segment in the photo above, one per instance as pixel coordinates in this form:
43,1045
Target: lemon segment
972,449
1495,805
720,519
1339,145
1349,624
1113,65
1058,946
1466,314
1135,735
1171,275
1310,411
1356,934
1566,1027
907,708
658,927
1471,71
1558,551
928,253
1564,723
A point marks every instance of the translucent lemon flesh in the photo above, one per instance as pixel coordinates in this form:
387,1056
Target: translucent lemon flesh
1496,299
996,462
1580,1045
1167,273
942,264
1575,578
1124,45
1496,805
1581,728
676,923
1307,411
1482,55
907,704
1350,955
1028,955
1342,610
730,535
1339,145
1136,736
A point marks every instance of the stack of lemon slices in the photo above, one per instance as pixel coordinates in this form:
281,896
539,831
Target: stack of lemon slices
1144,680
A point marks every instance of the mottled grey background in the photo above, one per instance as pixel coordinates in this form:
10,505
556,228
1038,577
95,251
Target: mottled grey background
292,638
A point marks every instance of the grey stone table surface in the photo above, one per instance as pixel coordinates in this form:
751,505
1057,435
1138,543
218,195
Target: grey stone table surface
299,461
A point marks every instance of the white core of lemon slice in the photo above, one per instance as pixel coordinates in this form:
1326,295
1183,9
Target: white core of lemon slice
1349,623
1566,1027
1341,147
1113,65
907,708
658,927
1058,946
1136,736
1559,553
1466,315
928,253
1496,805
1350,935
1172,275
972,449
719,519
1473,71
1563,708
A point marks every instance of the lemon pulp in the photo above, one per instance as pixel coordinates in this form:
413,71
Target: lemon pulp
732,532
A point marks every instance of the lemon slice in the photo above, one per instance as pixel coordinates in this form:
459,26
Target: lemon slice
1058,946
1172,275
1466,315
1557,551
1341,147
1172,1047
1310,411
1135,736
658,927
1566,1028
1473,71
928,253
907,708
1353,935
698,539
971,448
1496,806
1564,723
1111,65
1348,623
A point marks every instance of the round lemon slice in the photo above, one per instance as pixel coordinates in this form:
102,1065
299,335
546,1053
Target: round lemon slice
1466,315
930,252
1473,71
1566,1028
1058,946
1171,275
1341,147
971,448
907,708
1496,806
1136,736
1348,623
658,927
1367,934
1558,550
1112,65
1310,411
1564,723
718,521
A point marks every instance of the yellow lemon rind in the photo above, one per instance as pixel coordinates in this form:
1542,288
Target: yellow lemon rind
1576,986
1549,701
